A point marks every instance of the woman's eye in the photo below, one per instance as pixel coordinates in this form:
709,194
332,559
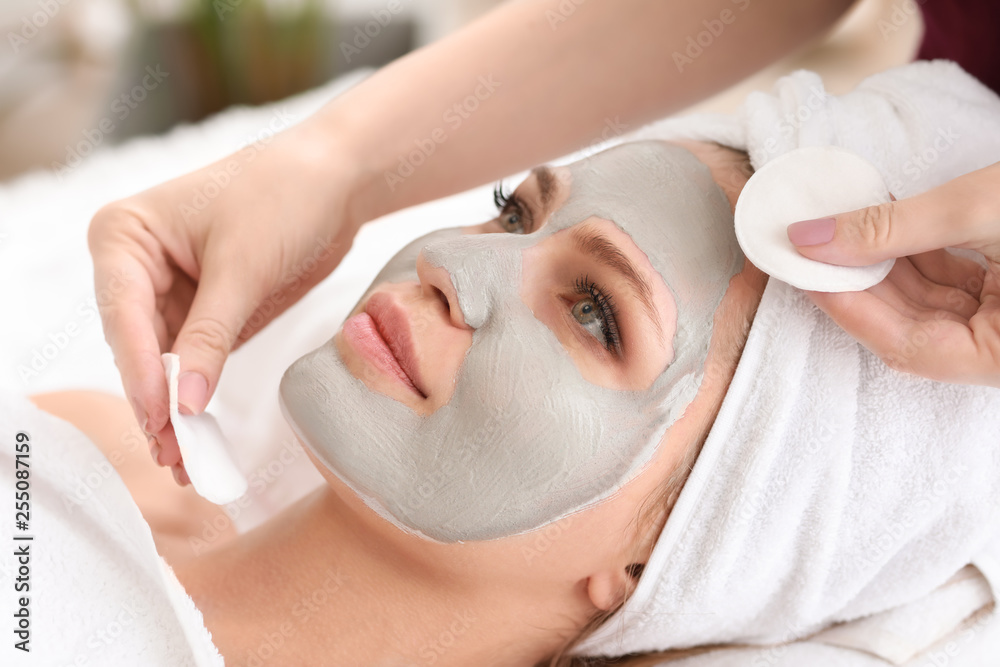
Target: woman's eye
588,314
512,221
596,313
511,211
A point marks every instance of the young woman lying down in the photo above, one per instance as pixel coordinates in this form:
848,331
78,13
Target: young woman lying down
587,427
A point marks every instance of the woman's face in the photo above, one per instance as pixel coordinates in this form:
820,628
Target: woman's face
590,285
499,377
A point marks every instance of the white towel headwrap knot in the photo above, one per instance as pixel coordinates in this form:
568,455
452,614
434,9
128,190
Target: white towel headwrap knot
830,487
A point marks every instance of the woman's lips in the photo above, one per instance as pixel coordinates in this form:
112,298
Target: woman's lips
381,335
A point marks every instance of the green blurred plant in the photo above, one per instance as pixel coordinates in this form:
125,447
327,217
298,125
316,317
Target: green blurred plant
260,50
234,51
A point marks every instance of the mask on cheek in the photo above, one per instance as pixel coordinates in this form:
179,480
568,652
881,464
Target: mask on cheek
525,440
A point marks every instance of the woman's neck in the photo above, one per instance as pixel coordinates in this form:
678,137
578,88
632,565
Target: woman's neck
309,588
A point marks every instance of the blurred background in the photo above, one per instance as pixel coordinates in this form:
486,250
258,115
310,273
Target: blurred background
80,75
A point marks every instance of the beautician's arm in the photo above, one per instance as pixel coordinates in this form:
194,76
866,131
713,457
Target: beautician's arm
935,315
546,77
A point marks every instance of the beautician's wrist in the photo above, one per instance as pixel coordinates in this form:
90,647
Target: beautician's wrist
324,149
339,142
986,216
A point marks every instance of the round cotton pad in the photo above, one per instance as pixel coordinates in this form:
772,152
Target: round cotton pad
206,452
805,184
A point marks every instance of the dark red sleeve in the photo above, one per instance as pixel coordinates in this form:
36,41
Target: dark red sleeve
966,31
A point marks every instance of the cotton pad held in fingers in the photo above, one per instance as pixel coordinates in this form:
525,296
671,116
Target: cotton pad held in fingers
204,448
805,184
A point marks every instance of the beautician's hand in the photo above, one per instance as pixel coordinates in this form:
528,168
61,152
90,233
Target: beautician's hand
935,315
198,264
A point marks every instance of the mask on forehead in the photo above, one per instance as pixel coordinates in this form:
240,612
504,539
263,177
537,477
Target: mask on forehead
525,439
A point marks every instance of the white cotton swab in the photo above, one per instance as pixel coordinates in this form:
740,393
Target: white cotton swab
206,452
805,184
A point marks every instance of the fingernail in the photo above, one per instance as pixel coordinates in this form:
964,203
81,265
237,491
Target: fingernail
812,232
192,392
154,450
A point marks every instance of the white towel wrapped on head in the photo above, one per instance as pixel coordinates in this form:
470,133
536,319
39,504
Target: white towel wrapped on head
830,487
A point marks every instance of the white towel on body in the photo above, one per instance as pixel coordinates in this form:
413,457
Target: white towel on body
830,488
98,592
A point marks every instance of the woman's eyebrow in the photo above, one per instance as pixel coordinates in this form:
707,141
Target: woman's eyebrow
547,184
599,247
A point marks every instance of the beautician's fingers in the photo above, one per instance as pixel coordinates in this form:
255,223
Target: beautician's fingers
203,274
940,347
180,475
908,301
964,212
944,268
220,308
175,307
928,294
127,270
170,451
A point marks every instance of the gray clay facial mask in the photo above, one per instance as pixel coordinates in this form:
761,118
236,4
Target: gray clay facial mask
525,439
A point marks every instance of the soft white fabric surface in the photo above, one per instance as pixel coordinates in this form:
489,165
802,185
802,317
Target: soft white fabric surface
900,633
99,593
971,643
830,487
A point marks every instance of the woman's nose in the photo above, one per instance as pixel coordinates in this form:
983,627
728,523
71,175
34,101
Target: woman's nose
435,283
